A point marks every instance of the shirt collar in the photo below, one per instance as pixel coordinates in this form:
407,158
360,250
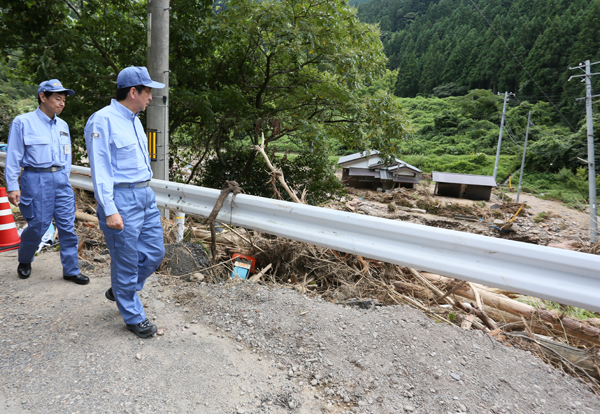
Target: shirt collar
44,118
122,110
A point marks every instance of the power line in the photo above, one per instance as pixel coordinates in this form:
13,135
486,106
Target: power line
519,62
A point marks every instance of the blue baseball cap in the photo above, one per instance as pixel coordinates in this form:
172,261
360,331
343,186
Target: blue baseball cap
54,85
136,75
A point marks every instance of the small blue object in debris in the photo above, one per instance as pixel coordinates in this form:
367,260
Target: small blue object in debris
241,268
3,147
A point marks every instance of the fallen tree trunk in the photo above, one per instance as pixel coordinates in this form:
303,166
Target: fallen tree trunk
557,323
85,217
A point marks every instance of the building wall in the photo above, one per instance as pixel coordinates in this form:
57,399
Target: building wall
448,190
478,192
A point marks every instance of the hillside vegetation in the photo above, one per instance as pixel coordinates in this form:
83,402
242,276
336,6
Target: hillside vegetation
445,47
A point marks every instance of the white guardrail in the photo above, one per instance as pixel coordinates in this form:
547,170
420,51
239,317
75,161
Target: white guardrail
564,276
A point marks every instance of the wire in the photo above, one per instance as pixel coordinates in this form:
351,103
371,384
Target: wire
519,62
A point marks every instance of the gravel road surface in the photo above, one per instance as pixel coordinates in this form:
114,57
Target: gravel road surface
240,347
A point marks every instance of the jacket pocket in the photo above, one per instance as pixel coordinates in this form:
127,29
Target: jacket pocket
38,148
126,152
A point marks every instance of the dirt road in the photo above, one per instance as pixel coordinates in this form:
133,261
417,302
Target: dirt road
246,348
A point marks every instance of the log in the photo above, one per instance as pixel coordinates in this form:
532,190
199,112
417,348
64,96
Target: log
557,322
221,238
85,217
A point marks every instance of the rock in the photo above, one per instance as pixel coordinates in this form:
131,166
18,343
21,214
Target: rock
197,277
499,222
178,260
418,210
455,376
103,258
138,356
409,408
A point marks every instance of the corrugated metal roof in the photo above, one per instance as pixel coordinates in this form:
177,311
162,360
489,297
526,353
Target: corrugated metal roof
470,179
356,156
402,164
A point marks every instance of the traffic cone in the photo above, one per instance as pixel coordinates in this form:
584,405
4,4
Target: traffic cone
9,238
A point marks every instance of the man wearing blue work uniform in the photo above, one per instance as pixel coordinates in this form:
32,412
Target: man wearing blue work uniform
121,173
39,141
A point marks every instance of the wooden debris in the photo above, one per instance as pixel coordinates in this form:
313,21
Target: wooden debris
557,323
259,275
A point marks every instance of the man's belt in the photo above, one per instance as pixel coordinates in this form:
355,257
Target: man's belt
54,168
134,185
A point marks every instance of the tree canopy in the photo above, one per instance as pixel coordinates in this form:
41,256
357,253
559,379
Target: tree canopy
436,43
239,69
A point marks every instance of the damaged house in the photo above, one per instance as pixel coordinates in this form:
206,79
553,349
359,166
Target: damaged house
470,186
367,170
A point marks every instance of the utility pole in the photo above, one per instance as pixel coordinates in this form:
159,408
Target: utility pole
500,137
524,152
157,114
590,140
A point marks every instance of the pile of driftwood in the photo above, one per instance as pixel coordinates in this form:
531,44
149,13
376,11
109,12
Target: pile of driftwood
344,278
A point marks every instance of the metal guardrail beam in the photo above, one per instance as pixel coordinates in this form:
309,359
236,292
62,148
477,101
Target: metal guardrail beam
560,275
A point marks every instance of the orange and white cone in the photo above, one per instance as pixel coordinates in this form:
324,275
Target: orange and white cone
9,237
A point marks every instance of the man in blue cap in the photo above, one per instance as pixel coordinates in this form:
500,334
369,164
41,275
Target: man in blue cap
118,152
40,143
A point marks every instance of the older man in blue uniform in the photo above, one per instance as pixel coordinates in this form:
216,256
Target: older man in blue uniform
120,163
40,143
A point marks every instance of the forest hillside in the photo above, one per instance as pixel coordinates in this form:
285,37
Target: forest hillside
446,47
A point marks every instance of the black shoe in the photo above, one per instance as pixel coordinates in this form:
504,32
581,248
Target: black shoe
144,329
109,295
79,279
24,270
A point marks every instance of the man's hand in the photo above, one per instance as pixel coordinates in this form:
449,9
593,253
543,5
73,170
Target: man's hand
14,197
115,221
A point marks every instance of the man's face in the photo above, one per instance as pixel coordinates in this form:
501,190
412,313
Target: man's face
143,98
55,103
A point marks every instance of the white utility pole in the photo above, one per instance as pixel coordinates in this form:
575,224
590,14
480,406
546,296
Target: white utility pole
500,137
524,152
157,114
590,140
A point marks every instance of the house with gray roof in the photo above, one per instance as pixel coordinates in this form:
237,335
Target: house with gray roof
368,170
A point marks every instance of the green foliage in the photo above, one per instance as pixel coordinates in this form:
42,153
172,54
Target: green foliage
312,172
542,216
436,44
240,69
8,110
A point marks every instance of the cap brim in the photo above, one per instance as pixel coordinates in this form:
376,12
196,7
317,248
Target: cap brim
155,85
68,91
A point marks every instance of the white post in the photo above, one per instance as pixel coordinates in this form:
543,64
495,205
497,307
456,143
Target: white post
180,224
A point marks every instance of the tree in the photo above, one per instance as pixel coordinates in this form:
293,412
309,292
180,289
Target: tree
240,68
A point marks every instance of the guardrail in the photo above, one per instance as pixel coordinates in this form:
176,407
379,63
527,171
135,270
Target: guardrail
560,275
